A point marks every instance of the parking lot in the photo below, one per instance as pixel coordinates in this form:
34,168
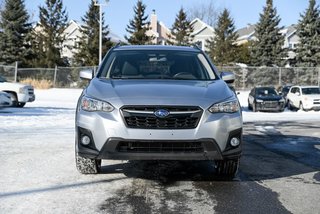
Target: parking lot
279,170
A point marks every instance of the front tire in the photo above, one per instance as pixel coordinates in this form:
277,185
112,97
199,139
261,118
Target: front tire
301,107
254,107
227,168
249,106
289,106
14,99
87,165
20,105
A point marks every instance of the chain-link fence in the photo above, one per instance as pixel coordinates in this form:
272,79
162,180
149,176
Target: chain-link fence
246,77
8,72
61,77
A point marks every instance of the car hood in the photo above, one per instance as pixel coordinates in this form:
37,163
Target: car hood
159,92
11,85
312,96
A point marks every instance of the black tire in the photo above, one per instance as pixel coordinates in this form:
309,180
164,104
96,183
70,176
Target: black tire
301,107
14,99
227,169
289,106
254,108
20,105
87,165
249,106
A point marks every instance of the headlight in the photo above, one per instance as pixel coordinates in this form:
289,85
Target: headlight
259,101
282,100
89,104
22,90
225,107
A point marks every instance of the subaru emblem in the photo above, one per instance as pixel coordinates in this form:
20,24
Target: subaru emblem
161,113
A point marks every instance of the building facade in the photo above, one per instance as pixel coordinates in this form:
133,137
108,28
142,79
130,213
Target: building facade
158,30
202,32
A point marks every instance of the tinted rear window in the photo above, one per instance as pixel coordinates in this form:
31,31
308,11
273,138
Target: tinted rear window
311,91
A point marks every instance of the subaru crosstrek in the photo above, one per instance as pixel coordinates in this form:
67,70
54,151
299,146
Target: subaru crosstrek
158,103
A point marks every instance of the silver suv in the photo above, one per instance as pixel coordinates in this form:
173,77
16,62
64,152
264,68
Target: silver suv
158,103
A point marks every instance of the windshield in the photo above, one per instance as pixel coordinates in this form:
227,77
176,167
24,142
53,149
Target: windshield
267,92
311,91
157,65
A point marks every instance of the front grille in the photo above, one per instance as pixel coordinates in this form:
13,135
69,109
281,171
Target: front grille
316,102
160,147
143,117
271,104
30,91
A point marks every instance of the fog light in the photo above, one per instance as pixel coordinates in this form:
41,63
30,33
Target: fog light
234,141
85,140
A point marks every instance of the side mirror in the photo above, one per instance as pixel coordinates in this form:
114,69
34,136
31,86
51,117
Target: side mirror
228,77
297,94
86,74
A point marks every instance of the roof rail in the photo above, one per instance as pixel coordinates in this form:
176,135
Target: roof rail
118,44
196,45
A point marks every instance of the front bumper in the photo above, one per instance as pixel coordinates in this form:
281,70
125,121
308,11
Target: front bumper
128,149
112,139
311,105
270,106
23,98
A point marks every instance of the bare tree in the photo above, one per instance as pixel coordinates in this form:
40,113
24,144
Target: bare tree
205,11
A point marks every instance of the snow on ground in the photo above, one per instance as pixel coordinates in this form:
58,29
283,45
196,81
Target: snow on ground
38,173
53,108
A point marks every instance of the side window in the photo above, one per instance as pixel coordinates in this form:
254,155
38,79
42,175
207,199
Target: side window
293,90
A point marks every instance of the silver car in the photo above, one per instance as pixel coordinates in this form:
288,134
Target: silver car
158,103
5,99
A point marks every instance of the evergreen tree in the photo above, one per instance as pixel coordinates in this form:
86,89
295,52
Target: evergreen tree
139,26
181,30
308,30
268,51
243,53
222,47
87,52
14,38
49,35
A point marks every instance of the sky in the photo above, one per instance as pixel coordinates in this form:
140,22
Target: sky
119,12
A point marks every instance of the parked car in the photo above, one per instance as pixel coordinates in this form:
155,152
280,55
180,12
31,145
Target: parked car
265,99
304,98
5,99
284,90
20,93
158,103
